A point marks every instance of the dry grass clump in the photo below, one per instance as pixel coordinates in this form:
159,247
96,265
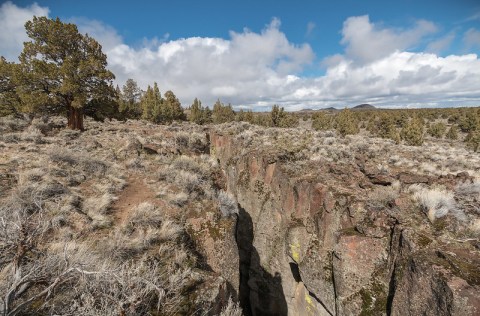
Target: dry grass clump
13,124
231,309
227,204
469,188
146,225
381,197
436,202
189,177
89,165
191,141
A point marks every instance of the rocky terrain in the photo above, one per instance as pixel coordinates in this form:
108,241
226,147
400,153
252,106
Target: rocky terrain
132,218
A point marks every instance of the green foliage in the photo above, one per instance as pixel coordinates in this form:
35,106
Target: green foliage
437,130
280,118
173,110
9,100
61,70
346,123
151,103
470,122
222,113
102,109
452,133
245,116
129,100
412,132
386,126
473,140
199,114
322,121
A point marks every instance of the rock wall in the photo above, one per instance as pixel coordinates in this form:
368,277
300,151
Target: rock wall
308,246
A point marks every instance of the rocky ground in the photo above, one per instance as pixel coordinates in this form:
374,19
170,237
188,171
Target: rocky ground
133,218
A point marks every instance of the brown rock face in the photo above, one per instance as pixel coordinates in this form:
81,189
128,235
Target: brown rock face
309,246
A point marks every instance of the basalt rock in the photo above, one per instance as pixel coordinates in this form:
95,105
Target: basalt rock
308,245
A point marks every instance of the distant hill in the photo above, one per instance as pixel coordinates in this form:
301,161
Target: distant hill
330,109
364,106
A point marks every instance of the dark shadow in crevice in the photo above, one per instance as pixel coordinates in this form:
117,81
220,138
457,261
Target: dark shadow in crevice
260,292
295,272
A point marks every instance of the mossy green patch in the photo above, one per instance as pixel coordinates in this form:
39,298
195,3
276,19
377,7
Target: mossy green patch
374,300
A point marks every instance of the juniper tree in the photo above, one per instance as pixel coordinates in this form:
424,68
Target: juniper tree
412,132
199,114
61,70
129,100
321,121
346,123
172,108
9,99
151,104
222,113
452,133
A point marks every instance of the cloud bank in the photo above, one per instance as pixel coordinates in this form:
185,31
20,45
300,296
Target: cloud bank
379,65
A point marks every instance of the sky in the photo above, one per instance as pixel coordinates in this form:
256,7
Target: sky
297,54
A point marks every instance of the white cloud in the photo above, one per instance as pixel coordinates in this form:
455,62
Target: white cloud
12,26
257,70
104,34
441,44
245,68
366,42
471,39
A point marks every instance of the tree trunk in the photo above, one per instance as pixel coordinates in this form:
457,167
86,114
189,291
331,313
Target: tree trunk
75,118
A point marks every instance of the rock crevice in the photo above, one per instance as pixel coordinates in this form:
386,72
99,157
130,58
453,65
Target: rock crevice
308,245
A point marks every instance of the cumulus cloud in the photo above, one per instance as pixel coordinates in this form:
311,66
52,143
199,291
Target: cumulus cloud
246,67
366,42
257,70
12,26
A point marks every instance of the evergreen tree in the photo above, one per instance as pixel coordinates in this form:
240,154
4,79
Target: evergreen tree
151,104
222,113
437,130
130,100
199,114
173,108
470,122
9,99
62,70
452,133
321,121
412,132
346,123
280,118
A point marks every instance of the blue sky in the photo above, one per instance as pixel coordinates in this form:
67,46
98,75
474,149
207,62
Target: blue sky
298,54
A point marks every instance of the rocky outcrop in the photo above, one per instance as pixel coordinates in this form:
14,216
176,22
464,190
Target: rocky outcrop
309,244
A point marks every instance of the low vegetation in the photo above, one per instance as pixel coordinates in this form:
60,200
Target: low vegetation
97,216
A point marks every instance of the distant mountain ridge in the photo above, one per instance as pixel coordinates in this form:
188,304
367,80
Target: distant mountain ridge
364,106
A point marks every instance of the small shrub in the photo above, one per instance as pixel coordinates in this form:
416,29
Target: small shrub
437,130
452,133
144,215
412,132
437,203
322,122
473,140
231,309
227,203
346,123
469,123
383,196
